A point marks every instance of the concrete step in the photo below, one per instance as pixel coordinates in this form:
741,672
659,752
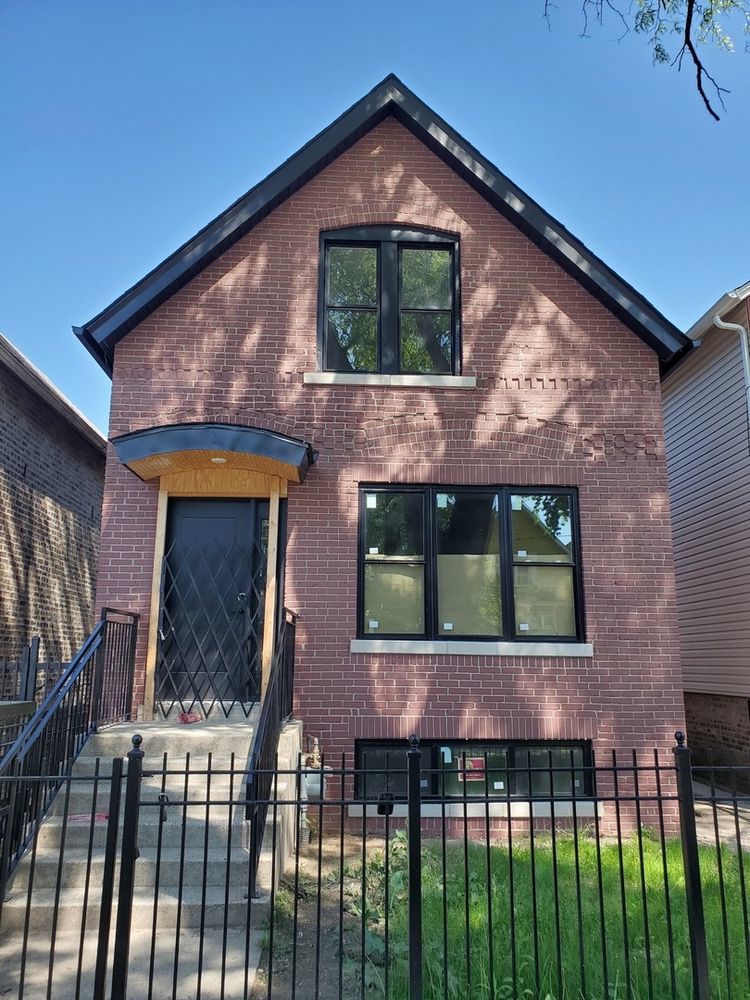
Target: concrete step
219,736
218,812
153,771
224,926
171,861
194,906
84,796
77,830
224,962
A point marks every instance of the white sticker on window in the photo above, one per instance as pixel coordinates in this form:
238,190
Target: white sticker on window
446,754
521,553
372,501
447,626
424,783
373,624
516,503
499,784
442,500
374,550
523,627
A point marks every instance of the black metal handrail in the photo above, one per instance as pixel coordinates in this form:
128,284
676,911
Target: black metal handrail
276,709
96,687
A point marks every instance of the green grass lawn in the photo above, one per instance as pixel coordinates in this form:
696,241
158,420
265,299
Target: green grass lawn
635,937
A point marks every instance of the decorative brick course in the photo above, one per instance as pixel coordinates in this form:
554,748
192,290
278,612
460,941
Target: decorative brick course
566,395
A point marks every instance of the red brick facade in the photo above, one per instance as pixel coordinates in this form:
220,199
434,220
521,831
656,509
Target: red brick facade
566,395
719,728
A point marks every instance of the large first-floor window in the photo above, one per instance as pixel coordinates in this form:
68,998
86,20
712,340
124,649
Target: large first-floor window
479,563
464,768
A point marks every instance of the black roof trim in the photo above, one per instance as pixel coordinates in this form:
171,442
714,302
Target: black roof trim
390,97
138,445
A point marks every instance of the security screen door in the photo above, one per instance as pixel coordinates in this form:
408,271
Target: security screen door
212,604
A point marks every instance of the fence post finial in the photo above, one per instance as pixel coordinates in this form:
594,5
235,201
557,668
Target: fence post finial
136,739
680,737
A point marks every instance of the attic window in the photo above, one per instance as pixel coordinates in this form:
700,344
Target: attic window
389,302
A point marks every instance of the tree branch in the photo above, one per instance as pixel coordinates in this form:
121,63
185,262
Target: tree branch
700,70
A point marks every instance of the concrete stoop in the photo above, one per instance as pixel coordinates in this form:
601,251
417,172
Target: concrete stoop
198,911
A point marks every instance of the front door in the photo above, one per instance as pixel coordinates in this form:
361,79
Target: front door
212,603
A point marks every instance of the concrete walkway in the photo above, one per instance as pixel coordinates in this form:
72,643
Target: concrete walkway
709,817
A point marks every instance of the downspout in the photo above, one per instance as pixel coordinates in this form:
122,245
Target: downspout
745,346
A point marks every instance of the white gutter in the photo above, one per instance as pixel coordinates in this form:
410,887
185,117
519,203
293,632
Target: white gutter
730,300
743,334
712,320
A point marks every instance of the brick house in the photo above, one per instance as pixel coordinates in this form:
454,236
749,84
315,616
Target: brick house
51,484
387,390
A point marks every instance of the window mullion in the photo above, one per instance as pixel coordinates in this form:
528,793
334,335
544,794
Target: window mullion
506,567
389,308
430,558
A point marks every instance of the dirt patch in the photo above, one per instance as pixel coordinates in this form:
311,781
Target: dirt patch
318,905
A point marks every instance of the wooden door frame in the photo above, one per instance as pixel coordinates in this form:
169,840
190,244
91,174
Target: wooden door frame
215,484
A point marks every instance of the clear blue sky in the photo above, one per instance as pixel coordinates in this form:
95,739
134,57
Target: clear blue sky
127,125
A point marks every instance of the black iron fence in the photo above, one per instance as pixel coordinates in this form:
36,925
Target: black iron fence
630,884
96,687
14,715
26,678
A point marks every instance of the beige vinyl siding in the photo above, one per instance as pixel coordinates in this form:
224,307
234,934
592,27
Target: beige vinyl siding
708,461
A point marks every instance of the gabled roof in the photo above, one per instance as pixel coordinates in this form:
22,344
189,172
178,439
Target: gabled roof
38,383
390,97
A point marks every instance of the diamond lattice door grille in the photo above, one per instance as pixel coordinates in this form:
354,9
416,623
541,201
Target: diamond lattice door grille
211,626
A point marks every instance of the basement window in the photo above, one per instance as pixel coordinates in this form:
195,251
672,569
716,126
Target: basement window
458,769
388,302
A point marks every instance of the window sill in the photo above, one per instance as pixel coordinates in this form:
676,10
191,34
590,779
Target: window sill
393,381
478,810
455,647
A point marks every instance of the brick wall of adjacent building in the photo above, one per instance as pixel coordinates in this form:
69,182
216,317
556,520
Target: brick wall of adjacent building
718,728
51,484
566,396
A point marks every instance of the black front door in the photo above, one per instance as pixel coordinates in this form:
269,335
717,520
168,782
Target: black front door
212,602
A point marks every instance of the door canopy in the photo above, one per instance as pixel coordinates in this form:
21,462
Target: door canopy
160,451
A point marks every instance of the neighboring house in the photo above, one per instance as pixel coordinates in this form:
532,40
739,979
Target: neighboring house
51,482
708,454
390,380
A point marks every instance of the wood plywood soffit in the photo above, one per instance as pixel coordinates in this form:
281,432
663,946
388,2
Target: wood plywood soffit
183,450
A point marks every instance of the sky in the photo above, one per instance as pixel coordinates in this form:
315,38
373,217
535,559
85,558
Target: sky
127,125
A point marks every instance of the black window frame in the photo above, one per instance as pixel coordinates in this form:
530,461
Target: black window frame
389,242
510,632
431,766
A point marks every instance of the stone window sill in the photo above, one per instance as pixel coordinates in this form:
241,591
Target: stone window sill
430,647
392,381
477,810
